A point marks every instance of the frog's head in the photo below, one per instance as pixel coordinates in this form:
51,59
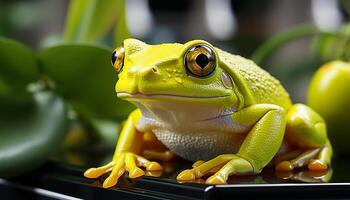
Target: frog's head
174,72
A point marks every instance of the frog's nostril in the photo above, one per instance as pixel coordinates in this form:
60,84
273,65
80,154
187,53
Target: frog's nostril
155,70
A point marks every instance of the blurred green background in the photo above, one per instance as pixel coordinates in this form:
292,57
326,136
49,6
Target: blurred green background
57,95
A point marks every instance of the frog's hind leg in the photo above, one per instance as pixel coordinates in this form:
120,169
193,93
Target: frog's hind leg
307,131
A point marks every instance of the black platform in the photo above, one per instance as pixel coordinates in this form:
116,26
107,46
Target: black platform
58,181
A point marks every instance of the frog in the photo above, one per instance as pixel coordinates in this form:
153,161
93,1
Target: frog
221,111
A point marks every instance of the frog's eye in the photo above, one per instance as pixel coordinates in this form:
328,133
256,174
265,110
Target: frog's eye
118,58
200,60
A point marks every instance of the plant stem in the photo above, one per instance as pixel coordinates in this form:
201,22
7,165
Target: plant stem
277,41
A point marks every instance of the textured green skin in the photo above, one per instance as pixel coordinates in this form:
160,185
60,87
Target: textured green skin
257,85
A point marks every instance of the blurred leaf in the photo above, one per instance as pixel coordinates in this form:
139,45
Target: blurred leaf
90,20
121,29
28,140
334,46
321,44
282,38
109,131
84,76
18,68
78,18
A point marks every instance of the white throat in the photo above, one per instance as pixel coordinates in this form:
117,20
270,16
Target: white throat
193,131
181,113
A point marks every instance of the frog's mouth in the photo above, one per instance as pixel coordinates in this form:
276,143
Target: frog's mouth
138,95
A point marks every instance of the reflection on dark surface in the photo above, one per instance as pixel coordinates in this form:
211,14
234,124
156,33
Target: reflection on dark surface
68,179
307,176
172,168
337,173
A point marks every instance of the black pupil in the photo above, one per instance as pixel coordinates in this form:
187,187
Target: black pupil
202,60
114,57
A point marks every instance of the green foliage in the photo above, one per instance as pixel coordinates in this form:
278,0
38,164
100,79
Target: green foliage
334,46
28,139
33,123
85,78
121,30
91,20
18,68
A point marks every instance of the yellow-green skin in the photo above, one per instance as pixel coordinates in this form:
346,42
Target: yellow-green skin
239,118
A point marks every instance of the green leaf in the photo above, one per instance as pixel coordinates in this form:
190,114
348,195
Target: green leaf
27,140
108,131
121,29
18,68
90,20
79,15
334,46
84,76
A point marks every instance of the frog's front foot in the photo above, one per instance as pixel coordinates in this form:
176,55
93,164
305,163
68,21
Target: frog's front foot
125,161
222,166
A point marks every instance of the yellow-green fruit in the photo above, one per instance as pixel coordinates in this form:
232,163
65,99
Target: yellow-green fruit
329,95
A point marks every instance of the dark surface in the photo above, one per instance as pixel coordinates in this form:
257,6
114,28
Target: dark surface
57,181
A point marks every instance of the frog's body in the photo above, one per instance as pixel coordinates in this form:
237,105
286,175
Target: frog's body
227,111
186,133
196,132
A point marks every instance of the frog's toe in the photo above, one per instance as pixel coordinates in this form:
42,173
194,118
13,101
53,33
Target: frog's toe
113,178
315,159
150,166
201,168
284,166
136,172
154,166
237,165
216,179
125,161
110,182
133,162
186,175
317,165
97,172
197,163
117,171
93,173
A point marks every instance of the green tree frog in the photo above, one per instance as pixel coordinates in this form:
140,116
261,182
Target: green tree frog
206,105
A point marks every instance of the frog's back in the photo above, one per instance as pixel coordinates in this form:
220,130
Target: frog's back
264,87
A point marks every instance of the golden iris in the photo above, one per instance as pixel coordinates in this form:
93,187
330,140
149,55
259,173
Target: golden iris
118,58
200,60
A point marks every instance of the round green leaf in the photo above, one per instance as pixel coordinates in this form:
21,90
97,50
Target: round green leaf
29,139
18,68
84,76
